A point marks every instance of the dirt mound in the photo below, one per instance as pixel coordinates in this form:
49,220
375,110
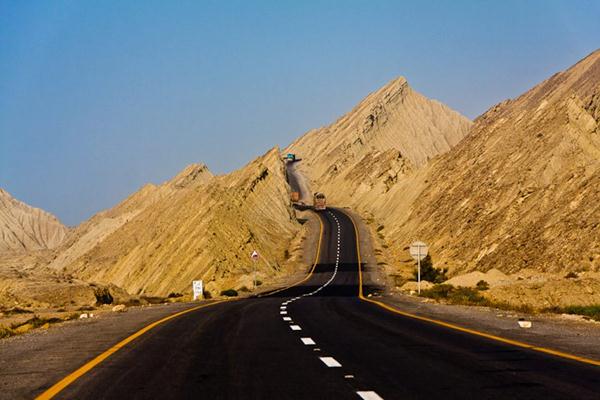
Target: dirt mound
493,277
546,291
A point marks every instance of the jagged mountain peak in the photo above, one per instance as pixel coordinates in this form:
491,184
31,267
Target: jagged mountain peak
192,174
392,131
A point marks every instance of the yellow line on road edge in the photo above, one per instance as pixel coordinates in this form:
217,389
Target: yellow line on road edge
516,343
313,266
72,377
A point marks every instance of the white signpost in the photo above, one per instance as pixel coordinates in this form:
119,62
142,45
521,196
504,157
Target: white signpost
254,256
197,289
418,251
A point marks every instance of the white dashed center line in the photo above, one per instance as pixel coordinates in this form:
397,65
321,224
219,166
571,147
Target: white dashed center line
307,341
330,362
369,395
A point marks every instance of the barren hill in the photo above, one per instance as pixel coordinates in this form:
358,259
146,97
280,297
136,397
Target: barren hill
389,134
100,226
25,228
522,191
518,191
160,239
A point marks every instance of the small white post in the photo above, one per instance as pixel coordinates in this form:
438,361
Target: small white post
254,280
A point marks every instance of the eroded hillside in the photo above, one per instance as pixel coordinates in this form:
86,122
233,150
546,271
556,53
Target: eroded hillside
390,134
205,230
518,191
24,228
523,190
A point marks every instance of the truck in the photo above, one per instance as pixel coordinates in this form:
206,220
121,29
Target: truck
319,201
290,157
295,197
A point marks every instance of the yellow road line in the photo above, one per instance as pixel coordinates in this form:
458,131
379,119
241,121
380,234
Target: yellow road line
73,376
459,328
316,261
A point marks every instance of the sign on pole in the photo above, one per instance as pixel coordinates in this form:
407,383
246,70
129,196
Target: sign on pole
418,251
254,256
197,289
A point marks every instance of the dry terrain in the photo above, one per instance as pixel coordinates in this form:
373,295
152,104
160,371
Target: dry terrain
511,198
194,227
518,191
25,228
154,243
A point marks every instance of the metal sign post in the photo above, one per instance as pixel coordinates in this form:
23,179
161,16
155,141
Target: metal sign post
254,256
418,251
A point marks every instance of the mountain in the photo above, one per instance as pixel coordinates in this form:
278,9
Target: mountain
523,189
521,194
25,228
516,192
391,133
194,227
93,231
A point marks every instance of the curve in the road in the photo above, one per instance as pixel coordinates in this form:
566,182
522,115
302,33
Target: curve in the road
328,360
512,342
329,344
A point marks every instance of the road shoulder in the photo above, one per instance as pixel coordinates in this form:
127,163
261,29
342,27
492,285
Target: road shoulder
40,358
562,333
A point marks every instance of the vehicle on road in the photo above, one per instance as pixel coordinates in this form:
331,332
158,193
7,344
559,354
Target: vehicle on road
295,197
319,202
290,157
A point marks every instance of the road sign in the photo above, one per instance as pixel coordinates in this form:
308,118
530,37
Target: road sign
254,256
418,250
197,288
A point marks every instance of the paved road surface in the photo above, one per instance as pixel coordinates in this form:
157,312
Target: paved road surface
248,349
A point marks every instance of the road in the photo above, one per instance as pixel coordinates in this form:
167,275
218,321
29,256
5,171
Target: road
319,340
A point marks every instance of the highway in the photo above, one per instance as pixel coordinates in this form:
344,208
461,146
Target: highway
319,340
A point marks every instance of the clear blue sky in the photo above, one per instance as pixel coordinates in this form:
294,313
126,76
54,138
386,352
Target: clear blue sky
98,98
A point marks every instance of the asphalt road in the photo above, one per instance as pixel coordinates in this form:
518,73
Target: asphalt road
248,349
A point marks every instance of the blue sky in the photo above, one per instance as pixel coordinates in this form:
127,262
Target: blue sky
98,98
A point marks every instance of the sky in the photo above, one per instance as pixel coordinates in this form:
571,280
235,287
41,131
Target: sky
99,98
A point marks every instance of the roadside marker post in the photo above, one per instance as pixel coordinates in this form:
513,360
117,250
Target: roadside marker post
197,289
418,251
254,256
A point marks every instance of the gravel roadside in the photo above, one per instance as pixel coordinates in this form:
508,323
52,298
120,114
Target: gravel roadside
566,333
36,360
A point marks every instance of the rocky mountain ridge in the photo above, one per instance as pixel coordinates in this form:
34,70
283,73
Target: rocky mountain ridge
389,134
24,228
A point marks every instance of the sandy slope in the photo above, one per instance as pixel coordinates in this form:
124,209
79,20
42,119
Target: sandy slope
520,192
25,228
523,190
197,230
389,134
